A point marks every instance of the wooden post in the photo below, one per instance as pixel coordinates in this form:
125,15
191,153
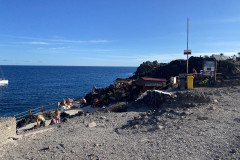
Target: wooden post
215,75
58,104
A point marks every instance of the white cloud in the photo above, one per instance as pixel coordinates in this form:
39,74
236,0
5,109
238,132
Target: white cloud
78,41
47,40
58,48
41,43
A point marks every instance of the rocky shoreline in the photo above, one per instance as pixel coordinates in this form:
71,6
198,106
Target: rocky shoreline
111,96
204,127
202,123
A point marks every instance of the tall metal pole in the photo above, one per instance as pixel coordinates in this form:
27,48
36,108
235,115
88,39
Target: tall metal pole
187,43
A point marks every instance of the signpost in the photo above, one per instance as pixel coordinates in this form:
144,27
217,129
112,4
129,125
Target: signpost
209,68
187,52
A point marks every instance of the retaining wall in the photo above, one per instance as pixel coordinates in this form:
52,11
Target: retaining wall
7,128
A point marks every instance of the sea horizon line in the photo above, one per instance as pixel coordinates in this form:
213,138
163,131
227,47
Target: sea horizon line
62,66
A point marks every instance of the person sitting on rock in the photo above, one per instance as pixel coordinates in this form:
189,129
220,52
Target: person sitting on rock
63,102
52,122
83,102
42,120
94,89
68,101
95,102
69,104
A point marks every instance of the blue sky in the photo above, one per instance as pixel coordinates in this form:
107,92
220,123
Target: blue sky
114,32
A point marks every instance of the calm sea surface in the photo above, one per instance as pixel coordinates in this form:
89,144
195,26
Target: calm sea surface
33,86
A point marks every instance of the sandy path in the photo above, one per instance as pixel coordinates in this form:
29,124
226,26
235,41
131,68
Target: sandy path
208,131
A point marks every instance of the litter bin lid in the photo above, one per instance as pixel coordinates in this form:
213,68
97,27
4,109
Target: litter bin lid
190,77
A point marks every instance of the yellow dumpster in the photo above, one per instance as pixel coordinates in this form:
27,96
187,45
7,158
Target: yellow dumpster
190,82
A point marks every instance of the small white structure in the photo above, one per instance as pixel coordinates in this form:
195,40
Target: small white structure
3,82
220,57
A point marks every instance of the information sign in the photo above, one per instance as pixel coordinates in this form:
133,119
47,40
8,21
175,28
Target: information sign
187,52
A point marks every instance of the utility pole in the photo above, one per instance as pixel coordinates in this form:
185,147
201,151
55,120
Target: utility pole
187,43
187,52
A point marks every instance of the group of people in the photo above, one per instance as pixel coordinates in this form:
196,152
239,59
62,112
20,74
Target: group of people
196,74
66,104
41,121
200,74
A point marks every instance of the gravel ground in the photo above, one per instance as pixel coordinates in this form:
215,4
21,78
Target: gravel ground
206,131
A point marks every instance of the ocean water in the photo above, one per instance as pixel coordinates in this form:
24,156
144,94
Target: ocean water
34,86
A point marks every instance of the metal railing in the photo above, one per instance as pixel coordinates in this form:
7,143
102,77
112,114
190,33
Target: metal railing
37,110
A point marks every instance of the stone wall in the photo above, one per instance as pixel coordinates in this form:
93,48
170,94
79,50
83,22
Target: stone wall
7,128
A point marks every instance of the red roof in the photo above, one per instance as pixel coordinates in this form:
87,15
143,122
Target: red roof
154,79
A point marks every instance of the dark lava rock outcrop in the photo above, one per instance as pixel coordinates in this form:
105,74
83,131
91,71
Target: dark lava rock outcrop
164,106
174,68
181,99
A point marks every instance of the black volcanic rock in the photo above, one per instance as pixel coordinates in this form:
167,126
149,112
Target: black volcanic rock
176,67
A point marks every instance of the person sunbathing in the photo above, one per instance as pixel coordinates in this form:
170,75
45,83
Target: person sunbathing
69,102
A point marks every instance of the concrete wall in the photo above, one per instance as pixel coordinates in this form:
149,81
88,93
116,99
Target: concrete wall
7,128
